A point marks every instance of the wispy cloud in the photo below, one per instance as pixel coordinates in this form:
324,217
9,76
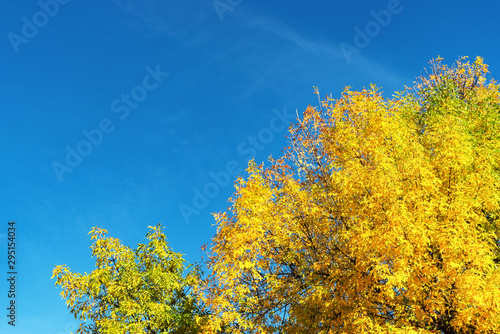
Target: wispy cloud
328,50
287,33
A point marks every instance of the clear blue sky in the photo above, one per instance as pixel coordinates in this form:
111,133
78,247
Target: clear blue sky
125,113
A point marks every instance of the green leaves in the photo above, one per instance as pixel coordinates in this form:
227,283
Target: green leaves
132,290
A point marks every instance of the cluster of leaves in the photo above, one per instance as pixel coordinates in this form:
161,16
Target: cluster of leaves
142,290
383,216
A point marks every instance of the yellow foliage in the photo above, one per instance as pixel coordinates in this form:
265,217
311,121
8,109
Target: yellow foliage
381,217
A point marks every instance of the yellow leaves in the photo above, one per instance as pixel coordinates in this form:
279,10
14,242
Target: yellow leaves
97,233
375,218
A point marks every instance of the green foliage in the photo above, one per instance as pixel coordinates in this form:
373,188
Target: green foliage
142,290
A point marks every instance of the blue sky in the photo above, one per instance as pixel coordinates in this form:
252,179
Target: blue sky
125,113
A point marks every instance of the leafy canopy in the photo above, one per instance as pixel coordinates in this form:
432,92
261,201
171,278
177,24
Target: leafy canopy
382,216
142,290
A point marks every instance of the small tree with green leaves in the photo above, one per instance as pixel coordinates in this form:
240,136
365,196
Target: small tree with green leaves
144,290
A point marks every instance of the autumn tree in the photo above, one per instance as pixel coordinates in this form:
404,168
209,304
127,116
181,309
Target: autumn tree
144,290
382,216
